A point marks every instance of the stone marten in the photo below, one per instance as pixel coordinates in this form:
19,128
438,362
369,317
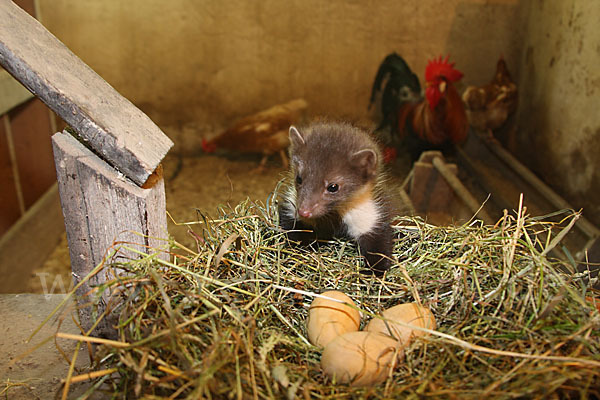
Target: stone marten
336,188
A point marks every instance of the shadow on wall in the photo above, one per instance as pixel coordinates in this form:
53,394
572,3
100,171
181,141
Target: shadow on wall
500,29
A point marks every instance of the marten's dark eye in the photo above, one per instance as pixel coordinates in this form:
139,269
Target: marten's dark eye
333,187
298,180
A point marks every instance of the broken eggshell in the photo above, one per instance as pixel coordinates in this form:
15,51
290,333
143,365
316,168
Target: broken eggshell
328,319
360,358
410,313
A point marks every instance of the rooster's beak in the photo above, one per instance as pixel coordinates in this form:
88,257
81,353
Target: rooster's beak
442,86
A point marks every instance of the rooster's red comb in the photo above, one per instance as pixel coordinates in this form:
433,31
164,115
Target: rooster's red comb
441,67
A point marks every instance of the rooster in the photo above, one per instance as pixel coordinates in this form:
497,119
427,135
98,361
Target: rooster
402,87
436,121
489,106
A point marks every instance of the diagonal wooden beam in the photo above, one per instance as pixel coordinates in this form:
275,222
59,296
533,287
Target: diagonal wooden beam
549,194
116,130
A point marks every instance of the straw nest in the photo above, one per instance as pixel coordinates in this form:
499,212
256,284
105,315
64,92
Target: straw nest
228,318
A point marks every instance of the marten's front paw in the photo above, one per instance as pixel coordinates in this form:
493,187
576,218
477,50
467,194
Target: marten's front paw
377,265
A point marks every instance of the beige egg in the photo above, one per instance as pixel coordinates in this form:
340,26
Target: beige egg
360,358
327,319
410,313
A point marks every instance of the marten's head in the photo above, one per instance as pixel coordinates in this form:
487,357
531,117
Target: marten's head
334,165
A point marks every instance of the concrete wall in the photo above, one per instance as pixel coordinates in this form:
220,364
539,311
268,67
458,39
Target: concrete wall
186,61
559,115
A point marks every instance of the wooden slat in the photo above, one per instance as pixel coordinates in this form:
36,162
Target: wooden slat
27,244
101,207
429,192
461,191
554,198
117,130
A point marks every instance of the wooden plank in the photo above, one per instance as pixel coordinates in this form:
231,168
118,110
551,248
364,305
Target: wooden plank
28,243
101,207
495,195
461,191
554,198
429,192
110,124
12,93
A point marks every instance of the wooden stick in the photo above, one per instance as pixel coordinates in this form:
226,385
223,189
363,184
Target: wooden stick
407,201
497,197
92,375
408,178
461,191
557,201
91,339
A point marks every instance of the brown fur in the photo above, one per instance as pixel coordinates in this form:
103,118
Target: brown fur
328,153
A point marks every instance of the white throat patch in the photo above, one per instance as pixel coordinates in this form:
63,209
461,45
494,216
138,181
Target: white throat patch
362,218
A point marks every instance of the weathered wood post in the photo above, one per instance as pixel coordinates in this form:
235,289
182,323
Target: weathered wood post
100,207
100,183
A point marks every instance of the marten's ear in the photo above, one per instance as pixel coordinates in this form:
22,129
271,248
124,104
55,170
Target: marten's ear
295,137
366,160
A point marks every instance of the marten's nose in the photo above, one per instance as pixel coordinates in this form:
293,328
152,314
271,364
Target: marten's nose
305,213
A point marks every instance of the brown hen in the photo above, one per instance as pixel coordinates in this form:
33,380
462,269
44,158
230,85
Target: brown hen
264,133
489,106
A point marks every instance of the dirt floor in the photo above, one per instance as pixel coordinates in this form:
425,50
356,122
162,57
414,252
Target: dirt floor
36,375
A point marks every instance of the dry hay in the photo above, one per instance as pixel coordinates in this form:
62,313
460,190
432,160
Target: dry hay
227,320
